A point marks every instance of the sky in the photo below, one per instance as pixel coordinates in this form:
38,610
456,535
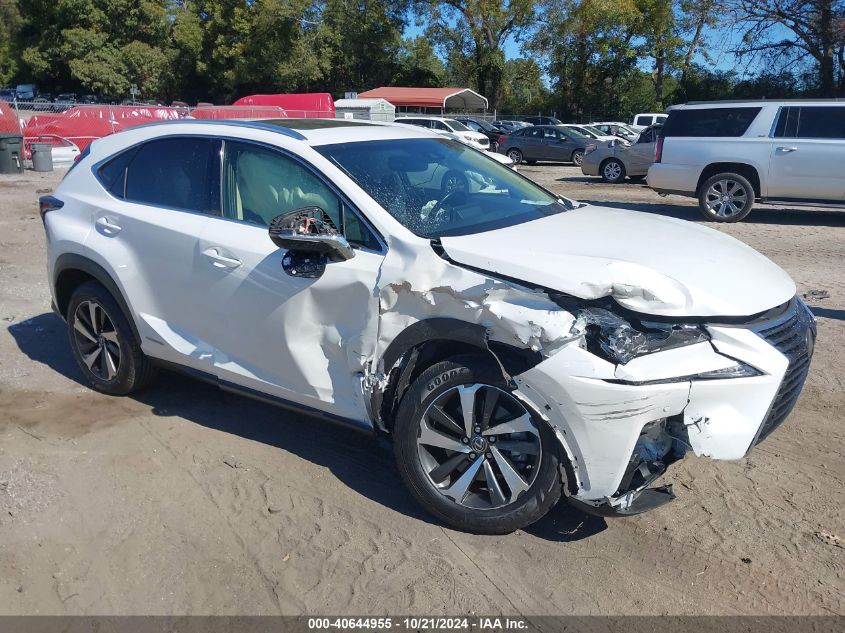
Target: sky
719,41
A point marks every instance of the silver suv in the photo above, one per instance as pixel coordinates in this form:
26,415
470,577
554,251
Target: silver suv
728,154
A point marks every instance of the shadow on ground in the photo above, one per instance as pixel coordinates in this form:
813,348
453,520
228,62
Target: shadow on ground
355,458
759,215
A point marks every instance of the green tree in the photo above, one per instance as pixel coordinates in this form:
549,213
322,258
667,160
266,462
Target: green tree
419,65
10,22
472,34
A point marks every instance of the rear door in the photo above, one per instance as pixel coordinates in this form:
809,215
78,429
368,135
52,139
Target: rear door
531,143
162,194
808,154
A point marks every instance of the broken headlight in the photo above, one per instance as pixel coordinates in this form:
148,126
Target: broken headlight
619,341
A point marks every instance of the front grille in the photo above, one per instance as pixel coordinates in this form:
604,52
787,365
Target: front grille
793,334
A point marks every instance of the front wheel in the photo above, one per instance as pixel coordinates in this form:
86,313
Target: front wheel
726,198
471,453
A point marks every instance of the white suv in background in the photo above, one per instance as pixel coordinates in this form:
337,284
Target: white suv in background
727,154
642,121
450,128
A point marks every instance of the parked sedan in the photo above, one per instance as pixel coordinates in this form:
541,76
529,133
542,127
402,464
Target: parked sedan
541,120
482,127
615,160
590,132
508,125
544,142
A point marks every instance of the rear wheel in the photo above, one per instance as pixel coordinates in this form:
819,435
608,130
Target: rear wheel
471,453
613,171
103,344
726,197
515,155
578,157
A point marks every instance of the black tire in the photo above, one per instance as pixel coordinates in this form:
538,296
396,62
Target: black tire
515,155
133,369
612,170
578,157
520,509
738,201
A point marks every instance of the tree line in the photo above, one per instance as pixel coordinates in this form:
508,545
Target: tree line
578,58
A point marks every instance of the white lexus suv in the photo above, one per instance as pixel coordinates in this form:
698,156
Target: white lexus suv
515,345
730,153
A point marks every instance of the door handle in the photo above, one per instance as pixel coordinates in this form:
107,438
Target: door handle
108,226
220,261
786,150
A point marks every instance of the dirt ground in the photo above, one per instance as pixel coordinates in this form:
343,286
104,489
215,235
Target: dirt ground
186,500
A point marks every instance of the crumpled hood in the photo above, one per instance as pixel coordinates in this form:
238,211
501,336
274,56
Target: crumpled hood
648,263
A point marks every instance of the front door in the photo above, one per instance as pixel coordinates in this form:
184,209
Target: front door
297,338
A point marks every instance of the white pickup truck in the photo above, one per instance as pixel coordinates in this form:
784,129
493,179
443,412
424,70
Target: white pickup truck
729,154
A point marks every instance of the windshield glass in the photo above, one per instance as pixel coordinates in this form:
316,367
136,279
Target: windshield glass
438,187
457,126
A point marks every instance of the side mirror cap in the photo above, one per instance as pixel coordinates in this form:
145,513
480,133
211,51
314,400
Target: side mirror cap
310,230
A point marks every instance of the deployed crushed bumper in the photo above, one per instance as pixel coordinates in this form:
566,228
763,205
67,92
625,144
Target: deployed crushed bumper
622,425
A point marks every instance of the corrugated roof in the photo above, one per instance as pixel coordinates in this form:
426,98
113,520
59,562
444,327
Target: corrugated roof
455,98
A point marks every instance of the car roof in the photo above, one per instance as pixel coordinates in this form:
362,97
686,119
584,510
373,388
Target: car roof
750,103
313,131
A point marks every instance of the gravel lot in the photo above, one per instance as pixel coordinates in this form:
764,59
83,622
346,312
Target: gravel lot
188,500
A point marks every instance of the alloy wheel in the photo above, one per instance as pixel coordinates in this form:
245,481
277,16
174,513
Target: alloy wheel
612,170
515,155
479,446
726,198
95,337
577,157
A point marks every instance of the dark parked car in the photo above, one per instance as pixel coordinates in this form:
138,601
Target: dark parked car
542,120
7,94
480,125
89,99
544,142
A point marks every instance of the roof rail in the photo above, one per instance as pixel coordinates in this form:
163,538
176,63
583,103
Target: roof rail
762,100
253,124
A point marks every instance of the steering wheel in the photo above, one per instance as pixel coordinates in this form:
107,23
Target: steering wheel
434,213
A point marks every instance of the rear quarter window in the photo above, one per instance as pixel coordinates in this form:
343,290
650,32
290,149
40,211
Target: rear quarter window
715,122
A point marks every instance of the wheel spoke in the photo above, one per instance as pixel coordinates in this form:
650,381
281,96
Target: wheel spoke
80,327
430,437
447,468
92,314
437,414
491,399
111,367
467,395
514,480
458,490
517,446
517,425
497,497
110,336
90,358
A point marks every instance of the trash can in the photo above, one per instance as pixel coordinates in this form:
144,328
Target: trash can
42,156
11,156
